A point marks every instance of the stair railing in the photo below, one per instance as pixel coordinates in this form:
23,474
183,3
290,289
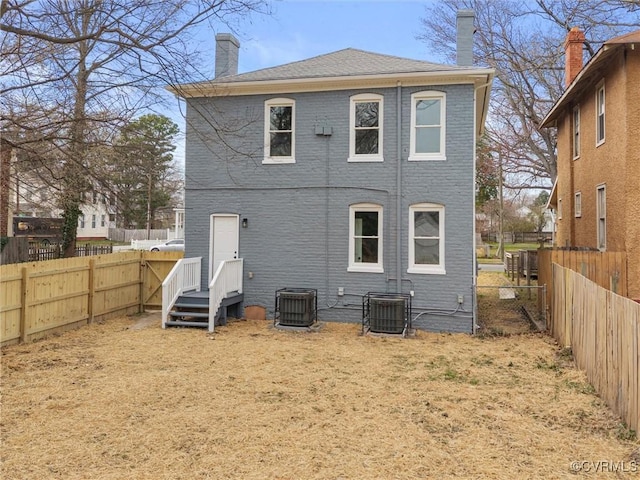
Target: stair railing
226,280
183,277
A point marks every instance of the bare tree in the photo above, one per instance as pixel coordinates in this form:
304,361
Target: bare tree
523,41
73,72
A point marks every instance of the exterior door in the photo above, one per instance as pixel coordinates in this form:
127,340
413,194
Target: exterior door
224,240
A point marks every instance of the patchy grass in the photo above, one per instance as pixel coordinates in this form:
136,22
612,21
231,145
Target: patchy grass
126,399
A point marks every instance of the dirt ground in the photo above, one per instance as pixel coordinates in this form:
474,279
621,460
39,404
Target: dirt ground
128,400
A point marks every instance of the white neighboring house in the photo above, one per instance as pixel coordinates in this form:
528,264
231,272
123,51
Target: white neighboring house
98,215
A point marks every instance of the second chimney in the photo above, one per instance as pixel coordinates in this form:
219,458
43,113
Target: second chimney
464,38
227,48
573,55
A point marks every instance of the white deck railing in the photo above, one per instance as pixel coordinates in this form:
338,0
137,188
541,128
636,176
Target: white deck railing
226,280
183,277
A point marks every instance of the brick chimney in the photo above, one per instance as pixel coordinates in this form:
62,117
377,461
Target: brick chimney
227,48
573,55
464,37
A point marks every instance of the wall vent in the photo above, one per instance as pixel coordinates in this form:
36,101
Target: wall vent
386,313
296,307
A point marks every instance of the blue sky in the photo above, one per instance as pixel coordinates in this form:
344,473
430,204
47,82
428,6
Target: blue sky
300,29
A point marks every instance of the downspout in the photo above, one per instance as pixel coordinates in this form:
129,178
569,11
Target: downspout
474,268
399,189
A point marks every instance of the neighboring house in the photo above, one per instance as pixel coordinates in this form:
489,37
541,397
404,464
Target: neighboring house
98,216
350,172
596,197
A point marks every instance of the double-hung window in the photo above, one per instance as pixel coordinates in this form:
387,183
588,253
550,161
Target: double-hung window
601,206
365,137
279,131
81,221
93,221
426,238
600,120
428,126
365,243
576,131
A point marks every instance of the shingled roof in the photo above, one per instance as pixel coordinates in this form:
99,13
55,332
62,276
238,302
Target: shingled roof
343,63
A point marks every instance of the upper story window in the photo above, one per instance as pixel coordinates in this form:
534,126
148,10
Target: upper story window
279,131
576,132
426,238
365,243
365,133
428,121
600,120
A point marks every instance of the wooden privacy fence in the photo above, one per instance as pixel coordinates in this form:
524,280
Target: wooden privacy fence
606,269
37,299
603,331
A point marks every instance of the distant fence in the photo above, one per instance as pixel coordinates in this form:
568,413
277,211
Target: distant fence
603,331
606,269
39,252
125,236
517,237
47,297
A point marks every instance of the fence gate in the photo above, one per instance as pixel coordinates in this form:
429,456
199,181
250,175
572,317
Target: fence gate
511,308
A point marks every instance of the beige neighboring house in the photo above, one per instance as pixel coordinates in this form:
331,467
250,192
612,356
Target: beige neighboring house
25,194
596,196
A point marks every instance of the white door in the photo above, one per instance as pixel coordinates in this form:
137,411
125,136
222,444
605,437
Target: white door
224,240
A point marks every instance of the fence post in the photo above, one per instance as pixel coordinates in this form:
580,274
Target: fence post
92,289
24,334
143,276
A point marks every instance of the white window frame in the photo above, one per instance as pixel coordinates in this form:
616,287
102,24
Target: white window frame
577,204
278,102
601,217
438,269
429,95
81,220
359,266
93,221
576,131
601,111
103,220
365,98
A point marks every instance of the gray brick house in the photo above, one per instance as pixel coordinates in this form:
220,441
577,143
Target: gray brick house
348,173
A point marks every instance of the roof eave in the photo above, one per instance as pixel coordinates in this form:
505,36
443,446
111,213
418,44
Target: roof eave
550,120
220,88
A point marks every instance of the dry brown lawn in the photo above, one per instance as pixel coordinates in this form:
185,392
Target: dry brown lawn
128,400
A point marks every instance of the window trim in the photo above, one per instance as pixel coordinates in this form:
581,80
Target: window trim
442,154
278,102
601,216
438,269
576,132
365,98
354,266
577,204
560,209
601,107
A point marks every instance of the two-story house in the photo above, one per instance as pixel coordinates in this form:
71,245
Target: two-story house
597,193
347,173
